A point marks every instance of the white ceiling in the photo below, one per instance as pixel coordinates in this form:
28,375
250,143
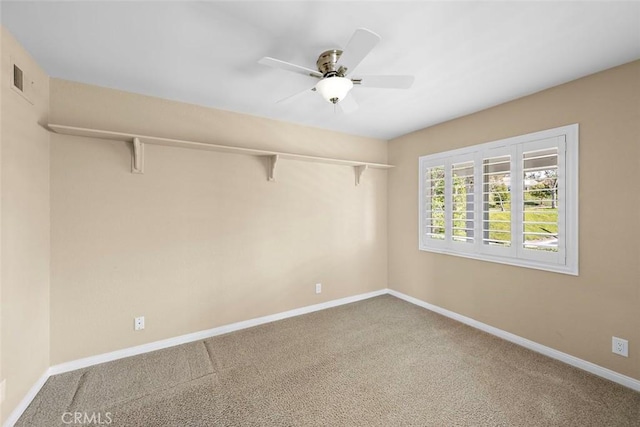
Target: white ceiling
466,56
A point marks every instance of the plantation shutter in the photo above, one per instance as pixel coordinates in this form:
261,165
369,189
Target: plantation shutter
512,201
433,204
540,236
497,216
462,215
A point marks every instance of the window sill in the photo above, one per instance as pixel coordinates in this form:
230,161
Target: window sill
554,268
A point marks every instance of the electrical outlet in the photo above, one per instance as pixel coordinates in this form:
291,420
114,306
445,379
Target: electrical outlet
318,288
620,346
138,323
3,390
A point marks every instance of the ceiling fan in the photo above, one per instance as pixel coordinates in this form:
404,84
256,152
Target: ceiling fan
334,68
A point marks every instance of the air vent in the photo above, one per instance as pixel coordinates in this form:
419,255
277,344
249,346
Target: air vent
18,80
21,81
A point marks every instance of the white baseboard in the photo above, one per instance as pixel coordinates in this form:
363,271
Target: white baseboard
598,370
171,342
26,400
158,345
196,336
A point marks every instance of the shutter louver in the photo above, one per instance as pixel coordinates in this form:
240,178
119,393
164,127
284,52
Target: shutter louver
462,212
496,211
434,227
540,199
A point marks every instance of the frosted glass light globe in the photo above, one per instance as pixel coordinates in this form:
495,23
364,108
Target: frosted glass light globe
334,89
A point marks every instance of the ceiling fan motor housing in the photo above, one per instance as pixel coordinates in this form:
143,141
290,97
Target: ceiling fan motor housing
327,63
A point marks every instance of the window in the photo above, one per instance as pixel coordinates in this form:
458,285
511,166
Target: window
513,201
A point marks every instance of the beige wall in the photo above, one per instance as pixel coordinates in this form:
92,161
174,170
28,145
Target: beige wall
576,315
24,217
201,239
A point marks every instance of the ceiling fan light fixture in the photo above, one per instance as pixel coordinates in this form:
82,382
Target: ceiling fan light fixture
334,89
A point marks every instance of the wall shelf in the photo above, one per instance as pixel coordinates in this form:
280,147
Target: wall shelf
273,157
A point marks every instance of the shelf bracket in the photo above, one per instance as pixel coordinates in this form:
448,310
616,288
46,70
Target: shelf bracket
272,167
137,160
359,171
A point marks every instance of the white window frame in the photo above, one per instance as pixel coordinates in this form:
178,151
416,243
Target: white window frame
565,260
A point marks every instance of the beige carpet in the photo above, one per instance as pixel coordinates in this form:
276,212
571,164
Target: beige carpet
378,362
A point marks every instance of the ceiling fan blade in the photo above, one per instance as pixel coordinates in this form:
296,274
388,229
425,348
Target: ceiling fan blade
295,95
390,82
348,104
276,63
361,43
